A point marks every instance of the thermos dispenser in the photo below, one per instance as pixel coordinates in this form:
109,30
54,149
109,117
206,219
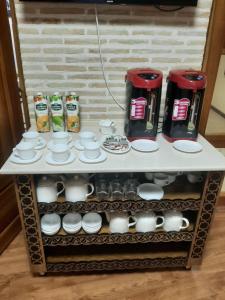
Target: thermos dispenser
143,95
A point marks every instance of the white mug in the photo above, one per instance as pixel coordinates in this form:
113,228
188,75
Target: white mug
32,137
60,152
47,190
194,177
86,136
161,179
107,127
119,222
174,221
91,222
61,137
92,150
77,189
147,221
25,150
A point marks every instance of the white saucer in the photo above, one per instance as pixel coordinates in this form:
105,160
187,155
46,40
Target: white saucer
86,160
51,145
78,145
150,191
144,145
50,161
15,159
187,146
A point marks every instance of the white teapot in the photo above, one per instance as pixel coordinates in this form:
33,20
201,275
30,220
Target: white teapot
47,190
77,189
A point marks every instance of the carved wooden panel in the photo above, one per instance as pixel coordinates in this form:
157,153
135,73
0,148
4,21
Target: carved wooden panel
166,262
116,238
30,219
209,201
82,207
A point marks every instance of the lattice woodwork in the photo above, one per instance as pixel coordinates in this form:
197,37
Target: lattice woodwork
206,213
116,238
82,207
166,262
29,214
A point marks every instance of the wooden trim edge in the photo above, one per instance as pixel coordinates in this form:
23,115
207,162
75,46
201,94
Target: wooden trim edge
9,233
221,200
217,140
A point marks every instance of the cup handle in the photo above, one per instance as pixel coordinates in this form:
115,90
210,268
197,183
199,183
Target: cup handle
15,153
62,190
107,214
92,189
161,224
185,220
133,223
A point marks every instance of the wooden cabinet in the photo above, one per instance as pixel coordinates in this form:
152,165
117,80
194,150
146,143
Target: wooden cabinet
11,128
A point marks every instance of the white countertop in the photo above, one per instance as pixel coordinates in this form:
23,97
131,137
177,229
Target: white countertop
165,159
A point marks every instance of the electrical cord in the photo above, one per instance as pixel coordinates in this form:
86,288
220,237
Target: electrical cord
101,60
168,10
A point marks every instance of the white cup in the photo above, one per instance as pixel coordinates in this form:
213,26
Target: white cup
91,222
72,222
149,176
161,179
32,137
194,177
85,137
24,150
174,221
119,222
92,150
61,137
107,127
147,221
60,152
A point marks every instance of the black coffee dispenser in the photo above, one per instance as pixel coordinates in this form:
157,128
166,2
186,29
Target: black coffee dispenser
184,97
143,94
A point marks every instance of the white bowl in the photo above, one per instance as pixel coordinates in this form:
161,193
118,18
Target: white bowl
150,191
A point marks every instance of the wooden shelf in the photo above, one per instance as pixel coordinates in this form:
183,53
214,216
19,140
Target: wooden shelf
105,237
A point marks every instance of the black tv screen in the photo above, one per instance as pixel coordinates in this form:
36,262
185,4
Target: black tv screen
129,2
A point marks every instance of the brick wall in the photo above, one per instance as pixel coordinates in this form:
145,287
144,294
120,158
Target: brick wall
60,49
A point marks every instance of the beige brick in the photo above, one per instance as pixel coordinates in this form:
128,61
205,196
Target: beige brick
42,76
38,41
33,68
55,50
64,31
151,51
102,85
89,109
107,32
196,43
108,69
62,10
40,20
109,51
30,50
127,41
41,59
188,51
86,41
66,84
66,68
87,76
129,59
25,30
191,33
85,59
168,60
167,42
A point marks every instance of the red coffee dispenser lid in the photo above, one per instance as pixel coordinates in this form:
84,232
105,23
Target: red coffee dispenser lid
145,78
188,79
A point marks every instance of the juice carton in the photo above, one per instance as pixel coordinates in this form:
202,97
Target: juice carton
57,111
72,112
41,112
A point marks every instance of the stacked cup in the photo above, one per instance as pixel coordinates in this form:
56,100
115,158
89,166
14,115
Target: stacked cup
72,222
50,224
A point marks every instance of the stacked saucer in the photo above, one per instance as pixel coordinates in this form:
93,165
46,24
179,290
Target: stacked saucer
72,222
50,224
92,222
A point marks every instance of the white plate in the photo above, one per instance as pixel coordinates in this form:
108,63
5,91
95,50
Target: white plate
52,145
187,146
78,145
120,151
144,145
150,191
99,159
15,159
51,161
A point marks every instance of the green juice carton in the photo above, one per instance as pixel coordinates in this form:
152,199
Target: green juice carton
57,111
